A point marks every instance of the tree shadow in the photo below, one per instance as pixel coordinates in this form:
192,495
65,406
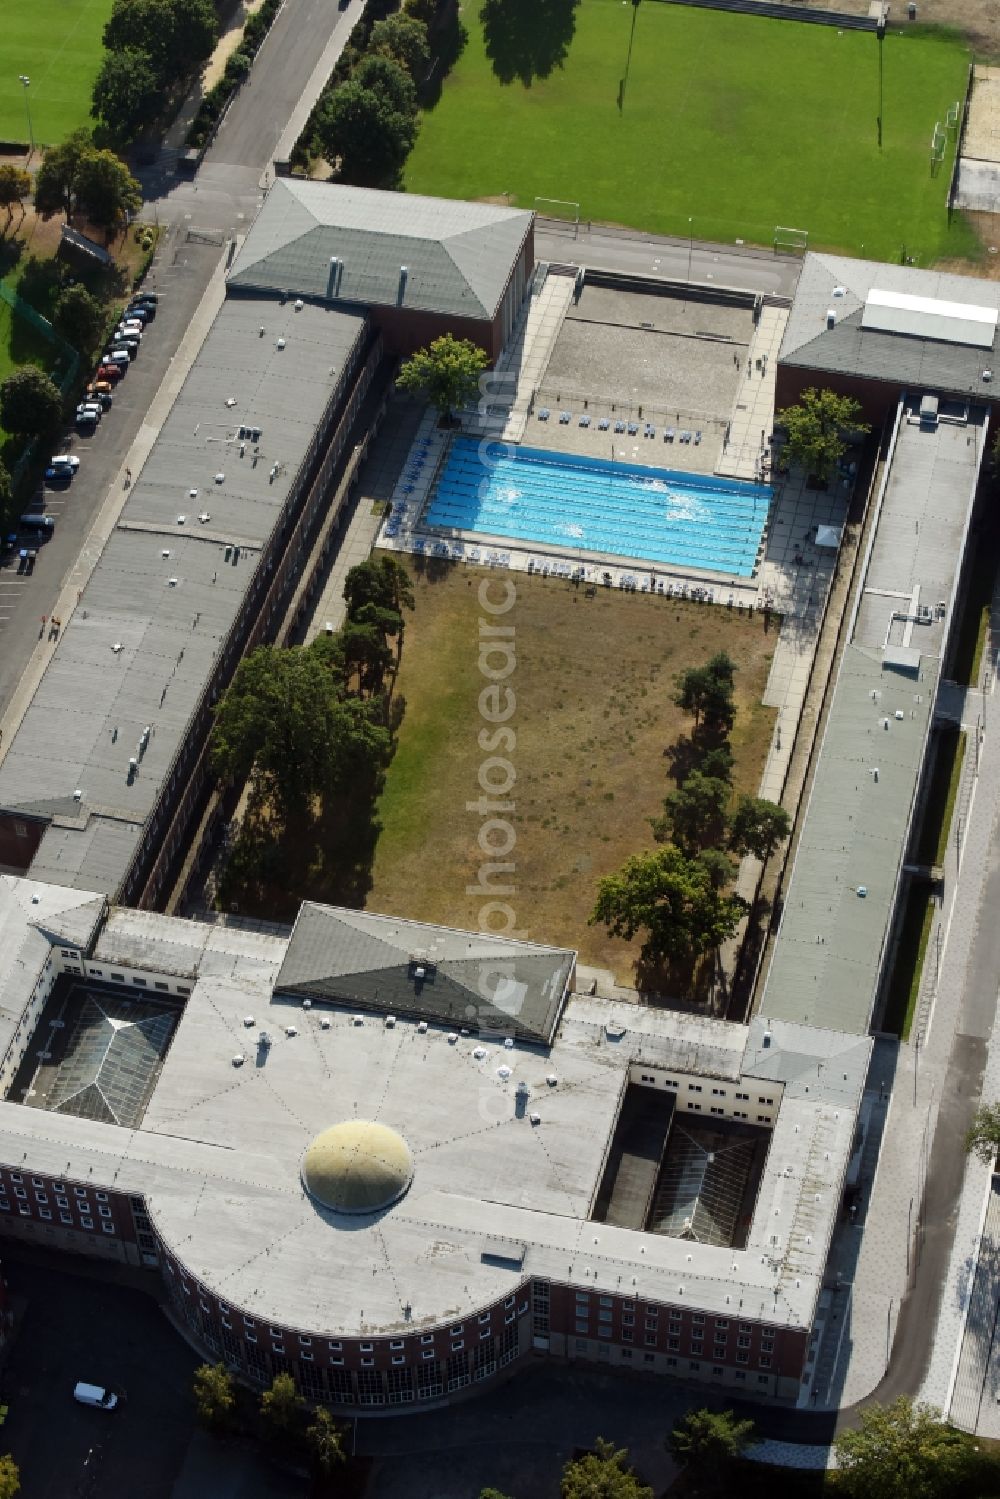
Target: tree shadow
447,38
527,39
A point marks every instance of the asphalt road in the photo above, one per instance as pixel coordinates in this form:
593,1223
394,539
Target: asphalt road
179,274
670,259
78,1327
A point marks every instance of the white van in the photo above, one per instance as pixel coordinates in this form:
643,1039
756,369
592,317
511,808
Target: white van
94,1394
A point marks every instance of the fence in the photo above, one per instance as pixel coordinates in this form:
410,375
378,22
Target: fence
956,165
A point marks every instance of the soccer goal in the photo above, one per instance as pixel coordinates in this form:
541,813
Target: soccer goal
938,140
792,241
559,208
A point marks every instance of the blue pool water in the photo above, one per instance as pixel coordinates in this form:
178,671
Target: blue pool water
596,505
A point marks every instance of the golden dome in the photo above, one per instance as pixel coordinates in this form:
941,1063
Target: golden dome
357,1167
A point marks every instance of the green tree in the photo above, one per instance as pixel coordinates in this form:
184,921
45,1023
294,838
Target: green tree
106,191
602,1474
56,178
30,404
707,693
757,827
6,490
365,654
694,816
128,93
176,35
492,1494
818,426
79,317
404,39
707,1444
421,10
718,762
446,372
369,123
982,1138
904,1451
285,720
281,1407
384,582
671,898
10,1477
325,1442
15,186
214,1394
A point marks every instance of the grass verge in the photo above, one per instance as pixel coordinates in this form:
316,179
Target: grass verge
58,45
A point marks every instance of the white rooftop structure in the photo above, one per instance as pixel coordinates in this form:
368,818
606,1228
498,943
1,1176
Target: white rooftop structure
930,317
508,1146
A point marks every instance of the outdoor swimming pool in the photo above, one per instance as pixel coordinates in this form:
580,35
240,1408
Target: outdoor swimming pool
597,505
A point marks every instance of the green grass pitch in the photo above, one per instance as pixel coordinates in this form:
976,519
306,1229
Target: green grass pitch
57,44
731,125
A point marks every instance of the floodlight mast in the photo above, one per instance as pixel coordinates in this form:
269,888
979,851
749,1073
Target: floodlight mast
880,26
628,60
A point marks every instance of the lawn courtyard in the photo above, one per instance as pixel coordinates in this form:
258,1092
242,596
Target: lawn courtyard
57,44
731,124
593,680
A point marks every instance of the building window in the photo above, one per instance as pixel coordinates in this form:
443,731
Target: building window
694,1087
427,1353
673,1343
455,1332
41,1197
104,1212
108,1228
694,1366
367,1348
36,1181
714,1110
742,1358
304,1341
581,1327
425,1337
45,1213
628,1319
581,1345
718,1092
763,1379
648,1358
158,985
626,1353
16,1176
650,1340
458,1346
396,1343
764,1362
740,1374
717,1371
20,1191
77,1191
86,1222
367,1363
101,1196
603,1316
63,1217
627,1335
698,1318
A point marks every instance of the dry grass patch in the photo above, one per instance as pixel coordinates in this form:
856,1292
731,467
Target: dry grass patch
593,681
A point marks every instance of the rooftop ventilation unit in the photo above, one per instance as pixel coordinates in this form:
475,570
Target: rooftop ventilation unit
324,1024
504,1072
230,401
220,478
390,1022
479,1053
291,1030
452,1037
239,1059
299,304
357,1020
307,1004
509,1043
839,291
117,647
422,1027
248,1021
535,1118
551,1079
280,344
831,318
77,794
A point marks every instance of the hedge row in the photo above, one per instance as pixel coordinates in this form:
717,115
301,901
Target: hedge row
236,71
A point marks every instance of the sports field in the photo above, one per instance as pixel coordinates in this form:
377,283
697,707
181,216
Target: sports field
730,124
57,44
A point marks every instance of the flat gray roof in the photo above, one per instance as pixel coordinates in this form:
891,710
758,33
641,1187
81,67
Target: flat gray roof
143,641
840,898
904,358
494,1197
424,971
457,256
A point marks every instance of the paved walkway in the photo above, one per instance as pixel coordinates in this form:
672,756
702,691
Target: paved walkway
752,418
107,517
527,356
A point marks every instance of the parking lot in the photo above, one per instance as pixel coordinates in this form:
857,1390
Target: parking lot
78,1327
179,274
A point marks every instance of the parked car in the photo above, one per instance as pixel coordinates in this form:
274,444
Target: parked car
126,340
26,560
118,356
102,394
95,1395
69,458
129,319
128,330
36,521
59,473
137,312
93,409
147,296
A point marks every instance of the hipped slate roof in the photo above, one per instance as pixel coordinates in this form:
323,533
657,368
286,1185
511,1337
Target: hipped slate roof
458,256
357,958
903,360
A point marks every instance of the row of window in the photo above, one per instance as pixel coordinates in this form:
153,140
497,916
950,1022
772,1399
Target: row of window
24,1208
650,1077
138,983
694,1365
